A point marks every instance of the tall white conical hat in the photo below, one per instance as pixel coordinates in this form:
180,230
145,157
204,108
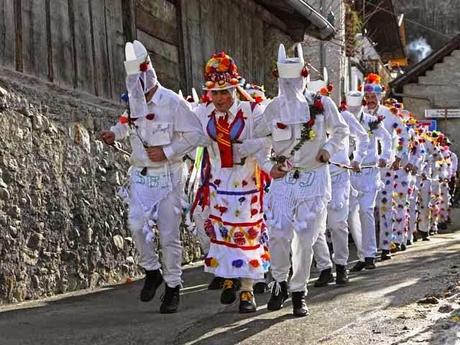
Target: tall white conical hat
290,67
135,55
195,97
355,97
316,85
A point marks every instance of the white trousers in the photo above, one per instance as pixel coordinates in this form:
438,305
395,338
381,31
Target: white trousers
424,206
285,240
337,225
362,223
168,222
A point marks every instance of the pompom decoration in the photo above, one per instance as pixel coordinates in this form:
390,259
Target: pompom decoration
265,257
211,262
144,66
305,72
123,120
281,125
373,78
237,263
254,263
150,116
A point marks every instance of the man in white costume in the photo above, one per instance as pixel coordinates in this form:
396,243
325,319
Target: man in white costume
366,183
338,207
161,129
398,162
296,205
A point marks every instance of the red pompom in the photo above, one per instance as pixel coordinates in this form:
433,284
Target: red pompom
281,125
123,120
150,116
144,66
305,72
330,87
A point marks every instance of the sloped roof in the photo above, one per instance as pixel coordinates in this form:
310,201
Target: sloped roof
300,18
411,75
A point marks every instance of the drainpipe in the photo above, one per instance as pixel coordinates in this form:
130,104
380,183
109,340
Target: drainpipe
327,31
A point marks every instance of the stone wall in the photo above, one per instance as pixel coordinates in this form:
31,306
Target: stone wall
62,228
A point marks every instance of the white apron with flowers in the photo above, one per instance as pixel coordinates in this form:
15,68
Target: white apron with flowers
235,225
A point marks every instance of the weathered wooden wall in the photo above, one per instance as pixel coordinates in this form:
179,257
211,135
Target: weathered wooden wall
240,27
72,43
79,44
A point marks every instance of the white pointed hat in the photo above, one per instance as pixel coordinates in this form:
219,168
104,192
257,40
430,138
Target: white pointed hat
290,67
316,85
355,97
137,58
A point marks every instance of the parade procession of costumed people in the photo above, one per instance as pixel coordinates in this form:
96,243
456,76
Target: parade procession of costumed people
272,187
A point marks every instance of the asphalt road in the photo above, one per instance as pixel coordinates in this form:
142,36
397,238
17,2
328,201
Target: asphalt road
114,315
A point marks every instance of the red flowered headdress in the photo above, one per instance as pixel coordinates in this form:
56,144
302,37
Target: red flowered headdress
373,84
220,73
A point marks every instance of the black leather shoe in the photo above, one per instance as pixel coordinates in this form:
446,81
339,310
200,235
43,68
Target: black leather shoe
385,255
325,278
299,307
425,236
170,300
369,263
228,295
442,226
216,284
358,267
408,243
247,302
341,277
403,247
279,295
260,288
153,280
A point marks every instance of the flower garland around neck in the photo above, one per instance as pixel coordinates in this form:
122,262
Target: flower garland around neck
307,132
373,125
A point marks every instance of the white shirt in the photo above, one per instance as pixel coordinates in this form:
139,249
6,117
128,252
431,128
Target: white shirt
360,138
174,127
330,133
376,135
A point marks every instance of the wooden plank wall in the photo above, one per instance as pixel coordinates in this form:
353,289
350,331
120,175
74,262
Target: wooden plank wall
157,29
210,26
73,43
80,43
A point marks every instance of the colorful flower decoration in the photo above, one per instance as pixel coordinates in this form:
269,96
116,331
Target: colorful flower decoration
220,72
211,262
252,233
239,239
237,263
254,263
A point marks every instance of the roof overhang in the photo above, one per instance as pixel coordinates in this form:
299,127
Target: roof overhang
300,18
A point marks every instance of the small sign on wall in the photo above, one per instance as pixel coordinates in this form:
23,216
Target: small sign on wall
442,113
431,124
